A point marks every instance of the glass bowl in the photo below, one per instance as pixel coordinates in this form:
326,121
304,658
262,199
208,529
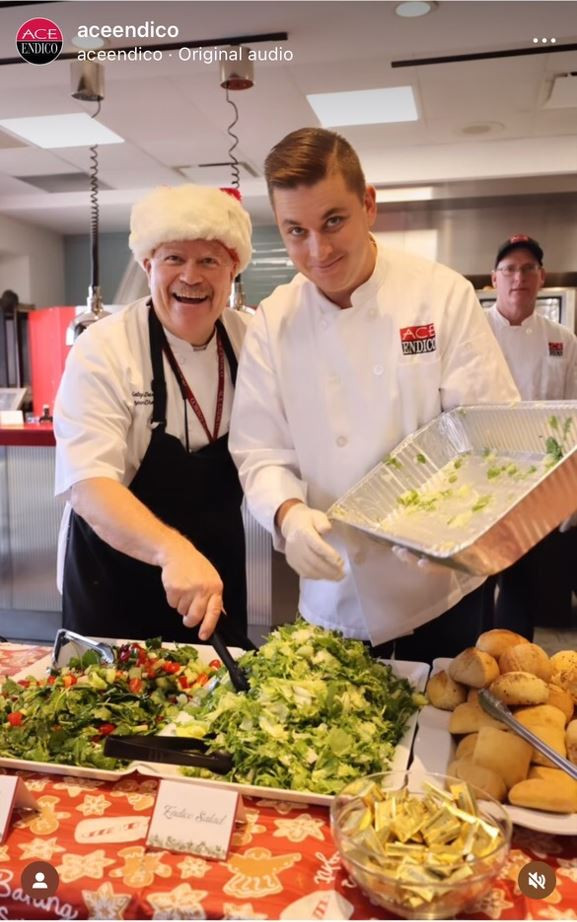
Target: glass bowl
375,874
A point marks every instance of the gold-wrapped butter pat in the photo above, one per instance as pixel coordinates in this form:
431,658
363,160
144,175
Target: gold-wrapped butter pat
425,840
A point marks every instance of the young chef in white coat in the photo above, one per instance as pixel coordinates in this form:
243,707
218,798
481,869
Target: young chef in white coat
542,357
154,540
360,349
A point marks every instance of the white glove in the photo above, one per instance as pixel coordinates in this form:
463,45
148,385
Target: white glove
569,523
415,560
305,550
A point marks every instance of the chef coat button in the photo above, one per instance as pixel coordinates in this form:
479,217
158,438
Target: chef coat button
324,323
378,369
373,312
342,441
359,557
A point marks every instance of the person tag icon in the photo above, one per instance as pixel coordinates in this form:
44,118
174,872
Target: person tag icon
39,879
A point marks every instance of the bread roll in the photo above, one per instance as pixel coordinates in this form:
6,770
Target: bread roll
542,715
561,699
473,696
571,741
526,657
548,723
443,692
469,718
474,668
495,642
483,778
519,688
567,680
551,774
504,753
564,659
541,794
465,748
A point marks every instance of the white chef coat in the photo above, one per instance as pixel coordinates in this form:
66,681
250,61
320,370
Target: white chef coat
104,403
541,354
323,394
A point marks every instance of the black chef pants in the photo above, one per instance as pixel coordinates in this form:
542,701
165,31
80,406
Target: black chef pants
446,635
537,590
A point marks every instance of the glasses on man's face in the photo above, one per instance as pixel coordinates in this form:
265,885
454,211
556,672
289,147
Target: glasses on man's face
510,270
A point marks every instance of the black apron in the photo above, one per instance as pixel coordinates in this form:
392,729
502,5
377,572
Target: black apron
107,593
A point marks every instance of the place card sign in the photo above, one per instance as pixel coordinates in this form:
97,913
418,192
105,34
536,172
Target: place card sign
13,793
194,818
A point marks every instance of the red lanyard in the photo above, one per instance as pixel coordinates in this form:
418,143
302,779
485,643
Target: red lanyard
187,393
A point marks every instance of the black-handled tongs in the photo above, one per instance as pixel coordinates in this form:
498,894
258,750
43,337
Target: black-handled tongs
238,676
168,749
104,650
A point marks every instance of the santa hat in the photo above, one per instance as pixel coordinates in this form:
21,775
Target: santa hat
190,213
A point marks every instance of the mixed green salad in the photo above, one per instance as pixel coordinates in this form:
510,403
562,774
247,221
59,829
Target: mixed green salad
320,712
66,716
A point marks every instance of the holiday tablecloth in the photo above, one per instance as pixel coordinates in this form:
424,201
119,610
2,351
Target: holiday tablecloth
283,863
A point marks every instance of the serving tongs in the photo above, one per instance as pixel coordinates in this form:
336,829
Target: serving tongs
500,711
104,650
168,749
238,676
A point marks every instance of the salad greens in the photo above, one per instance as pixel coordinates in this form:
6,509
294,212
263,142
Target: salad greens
65,717
320,712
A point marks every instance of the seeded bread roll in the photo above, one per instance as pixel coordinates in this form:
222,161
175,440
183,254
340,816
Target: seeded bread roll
504,753
519,689
469,718
564,659
561,699
541,794
474,668
526,657
465,748
571,741
495,642
443,692
567,680
483,778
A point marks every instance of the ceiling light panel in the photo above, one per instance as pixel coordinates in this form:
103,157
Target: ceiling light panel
365,107
72,130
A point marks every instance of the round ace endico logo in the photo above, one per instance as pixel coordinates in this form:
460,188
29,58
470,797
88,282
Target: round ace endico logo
39,41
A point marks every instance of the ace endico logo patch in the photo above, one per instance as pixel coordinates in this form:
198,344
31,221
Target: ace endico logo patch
418,339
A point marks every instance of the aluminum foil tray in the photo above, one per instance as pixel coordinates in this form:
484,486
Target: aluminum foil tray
475,488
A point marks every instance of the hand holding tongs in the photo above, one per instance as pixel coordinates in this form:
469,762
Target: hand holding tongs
104,650
167,749
238,676
501,712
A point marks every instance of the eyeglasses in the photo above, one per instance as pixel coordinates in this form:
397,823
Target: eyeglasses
510,271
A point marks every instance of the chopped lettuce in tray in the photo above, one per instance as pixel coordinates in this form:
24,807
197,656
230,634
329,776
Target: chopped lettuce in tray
65,717
320,712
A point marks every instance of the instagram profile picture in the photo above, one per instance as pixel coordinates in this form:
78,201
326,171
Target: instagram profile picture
39,41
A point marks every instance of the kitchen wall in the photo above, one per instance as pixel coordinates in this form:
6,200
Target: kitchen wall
31,263
463,234
468,235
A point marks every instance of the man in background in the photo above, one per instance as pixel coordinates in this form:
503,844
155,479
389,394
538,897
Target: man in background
542,357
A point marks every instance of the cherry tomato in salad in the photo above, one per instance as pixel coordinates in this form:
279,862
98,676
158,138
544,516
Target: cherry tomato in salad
106,729
135,686
215,664
15,719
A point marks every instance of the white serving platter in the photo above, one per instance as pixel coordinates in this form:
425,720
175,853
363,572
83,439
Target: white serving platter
416,673
434,750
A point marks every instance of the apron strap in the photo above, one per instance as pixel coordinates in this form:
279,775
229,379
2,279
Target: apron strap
228,350
158,380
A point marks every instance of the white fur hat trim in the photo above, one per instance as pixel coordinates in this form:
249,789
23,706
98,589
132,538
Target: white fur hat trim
190,213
